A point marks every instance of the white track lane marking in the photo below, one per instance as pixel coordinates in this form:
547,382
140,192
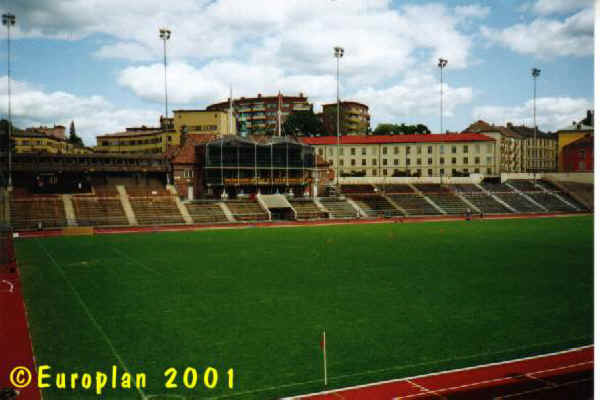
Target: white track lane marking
505,378
508,396
89,314
11,287
426,390
437,373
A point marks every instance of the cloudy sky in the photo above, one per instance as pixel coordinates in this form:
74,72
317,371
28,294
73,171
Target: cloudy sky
99,62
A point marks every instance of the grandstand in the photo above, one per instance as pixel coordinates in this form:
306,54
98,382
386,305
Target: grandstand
338,208
156,211
414,204
246,210
206,212
307,209
376,206
28,213
99,211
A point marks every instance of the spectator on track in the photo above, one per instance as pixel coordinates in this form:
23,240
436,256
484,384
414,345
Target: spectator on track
468,214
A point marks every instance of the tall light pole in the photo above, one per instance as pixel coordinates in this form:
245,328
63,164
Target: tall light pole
338,52
8,20
442,64
535,72
165,35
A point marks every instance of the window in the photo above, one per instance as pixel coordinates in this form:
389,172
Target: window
441,149
396,161
476,170
363,151
418,161
364,162
384,151
453,149
488,160
407,149
489,171
374,161
395,149
385,172
466,170
352,151
353,162
321,152
374,172
476,160
442,171
441,160
188,173
429,161
429,149
341,163
430,172
385,161
418,149
453,171
408,161
453,160
466,148
465,160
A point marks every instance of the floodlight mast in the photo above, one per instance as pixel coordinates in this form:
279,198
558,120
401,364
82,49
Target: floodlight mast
9,20
165,34
535,73
442,64
338,52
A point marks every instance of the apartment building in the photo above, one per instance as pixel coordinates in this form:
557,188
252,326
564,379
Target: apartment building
138,140
409,155
259,115
354,118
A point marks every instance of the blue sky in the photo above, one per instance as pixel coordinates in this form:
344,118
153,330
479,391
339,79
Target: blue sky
99,63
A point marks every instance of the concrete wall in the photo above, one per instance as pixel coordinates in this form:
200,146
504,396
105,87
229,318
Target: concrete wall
580,177
474,178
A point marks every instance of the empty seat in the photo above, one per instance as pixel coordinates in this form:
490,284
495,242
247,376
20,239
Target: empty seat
156,211
99,211
449,202
246,210
206,212
414,204
307,209
26,213
339,208
518,202
486,203
376,206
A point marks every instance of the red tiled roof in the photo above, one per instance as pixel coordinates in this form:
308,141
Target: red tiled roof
382,139
186,153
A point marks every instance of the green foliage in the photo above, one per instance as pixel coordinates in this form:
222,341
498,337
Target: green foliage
73,138
396,300
402,129
302,123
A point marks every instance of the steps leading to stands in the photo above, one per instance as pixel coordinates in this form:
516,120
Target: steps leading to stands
427,199
126,205
498,199
526,196
322,207
226,211
359,210
393,203
467,202
69,210
184,212
543,188
263,205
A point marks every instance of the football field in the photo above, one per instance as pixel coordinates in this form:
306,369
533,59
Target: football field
396,300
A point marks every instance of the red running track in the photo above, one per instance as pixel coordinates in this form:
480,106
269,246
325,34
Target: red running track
15,342
563,375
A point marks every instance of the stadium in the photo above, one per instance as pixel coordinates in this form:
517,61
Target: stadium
241,268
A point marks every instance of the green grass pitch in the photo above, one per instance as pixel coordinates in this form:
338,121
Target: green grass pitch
396,300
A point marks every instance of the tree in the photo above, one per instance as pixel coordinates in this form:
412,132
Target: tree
402,129
73,138
302,123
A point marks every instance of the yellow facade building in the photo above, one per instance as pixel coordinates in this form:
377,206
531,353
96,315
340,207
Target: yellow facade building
31,141
204,122
138,140
569,135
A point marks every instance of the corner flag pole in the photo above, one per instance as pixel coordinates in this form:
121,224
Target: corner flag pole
324,358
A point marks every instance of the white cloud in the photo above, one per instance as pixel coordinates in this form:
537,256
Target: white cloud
32,106
414,98
546,7
472,11
549,38
552,113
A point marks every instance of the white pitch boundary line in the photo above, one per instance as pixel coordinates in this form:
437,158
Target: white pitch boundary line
89,314
11,288
119,252
505,378
508,396
574,349
426,390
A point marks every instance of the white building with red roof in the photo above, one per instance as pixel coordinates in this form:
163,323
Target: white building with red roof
409,155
